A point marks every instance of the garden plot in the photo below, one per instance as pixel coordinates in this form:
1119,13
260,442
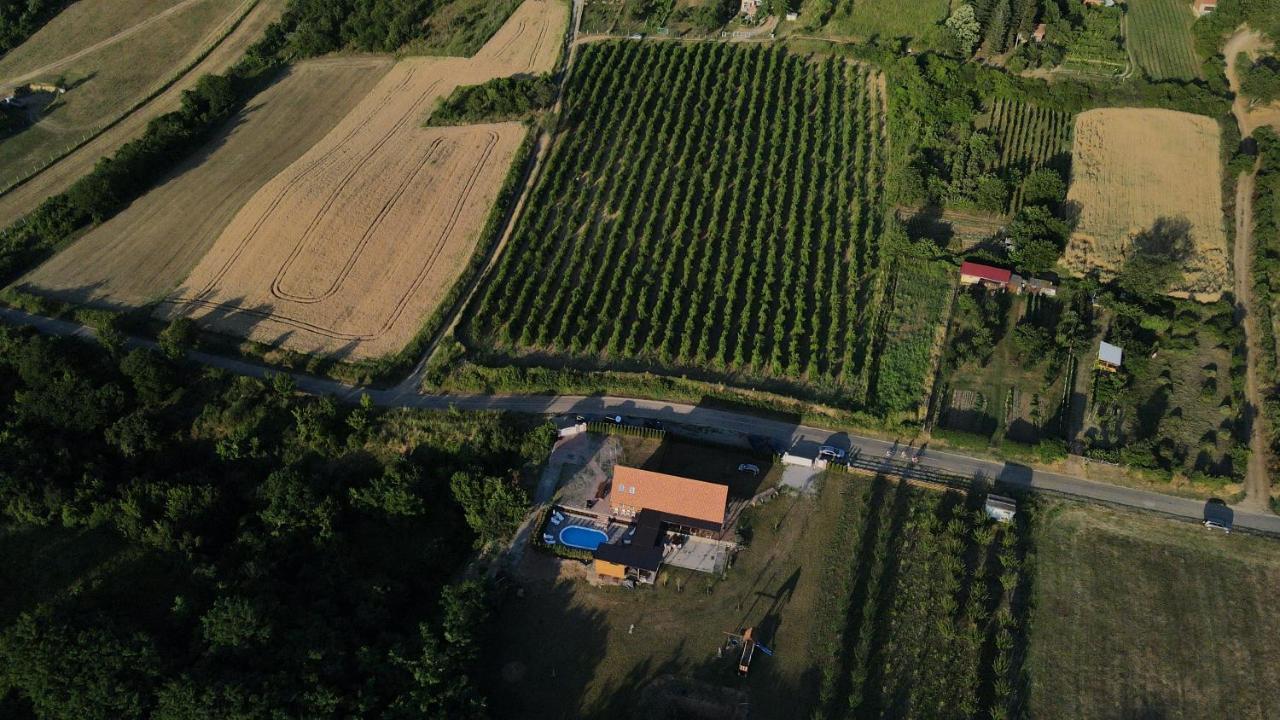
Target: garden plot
1132,168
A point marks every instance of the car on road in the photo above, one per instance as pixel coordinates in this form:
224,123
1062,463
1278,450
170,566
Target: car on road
830,452
1215,525
749,468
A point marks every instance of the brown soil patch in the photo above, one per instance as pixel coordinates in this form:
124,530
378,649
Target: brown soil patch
1132,167
348,248
58,177
142,253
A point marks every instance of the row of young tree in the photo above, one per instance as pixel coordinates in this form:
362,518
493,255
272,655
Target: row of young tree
279,555
935,610
1266,273
709,206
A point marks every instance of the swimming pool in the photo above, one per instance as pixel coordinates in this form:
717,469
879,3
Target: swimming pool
583,538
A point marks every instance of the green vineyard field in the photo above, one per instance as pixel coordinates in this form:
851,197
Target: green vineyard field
1029,137
717,211
1159,33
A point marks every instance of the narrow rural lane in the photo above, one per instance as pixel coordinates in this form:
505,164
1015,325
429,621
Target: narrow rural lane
1257,486
779,432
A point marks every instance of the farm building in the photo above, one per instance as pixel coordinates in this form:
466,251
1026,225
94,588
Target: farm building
972,273
1000,508
691,505
1109,357
750,7
1204,7
1032,286
663,510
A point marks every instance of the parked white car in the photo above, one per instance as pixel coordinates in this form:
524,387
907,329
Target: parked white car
830,451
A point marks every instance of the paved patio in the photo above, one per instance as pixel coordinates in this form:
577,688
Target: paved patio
700,555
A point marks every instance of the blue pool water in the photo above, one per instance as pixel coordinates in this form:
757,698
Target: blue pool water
583,538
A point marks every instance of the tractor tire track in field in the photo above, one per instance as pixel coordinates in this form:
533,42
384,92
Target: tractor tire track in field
283,193
304,241
354,256
398,309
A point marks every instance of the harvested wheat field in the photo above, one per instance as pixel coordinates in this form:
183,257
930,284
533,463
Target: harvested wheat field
23,198
107,78
350,247
141,254
1132,167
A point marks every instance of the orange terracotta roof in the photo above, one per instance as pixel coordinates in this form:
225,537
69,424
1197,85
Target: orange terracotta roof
646,490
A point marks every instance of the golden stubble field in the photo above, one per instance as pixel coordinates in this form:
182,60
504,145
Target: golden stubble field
347,249
143,252
1131,167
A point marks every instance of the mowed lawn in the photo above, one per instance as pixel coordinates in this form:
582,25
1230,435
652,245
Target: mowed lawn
106,82
566,649
1159,34
1140,617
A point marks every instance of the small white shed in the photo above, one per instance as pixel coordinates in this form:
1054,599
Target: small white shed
1001,508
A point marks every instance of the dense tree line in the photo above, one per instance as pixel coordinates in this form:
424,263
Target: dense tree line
19,19
509,98
1266,272
1213,28
294,556
1260,80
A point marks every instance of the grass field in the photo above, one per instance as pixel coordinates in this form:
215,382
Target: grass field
1028,137
459,28
1159,36
1131,168
145,251
888,19
107,81
1138,617
707,209
346,250
22,199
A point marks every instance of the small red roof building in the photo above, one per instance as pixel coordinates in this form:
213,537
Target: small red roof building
972,272
1203,7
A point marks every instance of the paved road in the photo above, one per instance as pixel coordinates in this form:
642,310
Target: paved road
779,432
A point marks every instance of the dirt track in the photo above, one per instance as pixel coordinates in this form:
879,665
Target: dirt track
346,250
24,198
1132,167
1249,117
